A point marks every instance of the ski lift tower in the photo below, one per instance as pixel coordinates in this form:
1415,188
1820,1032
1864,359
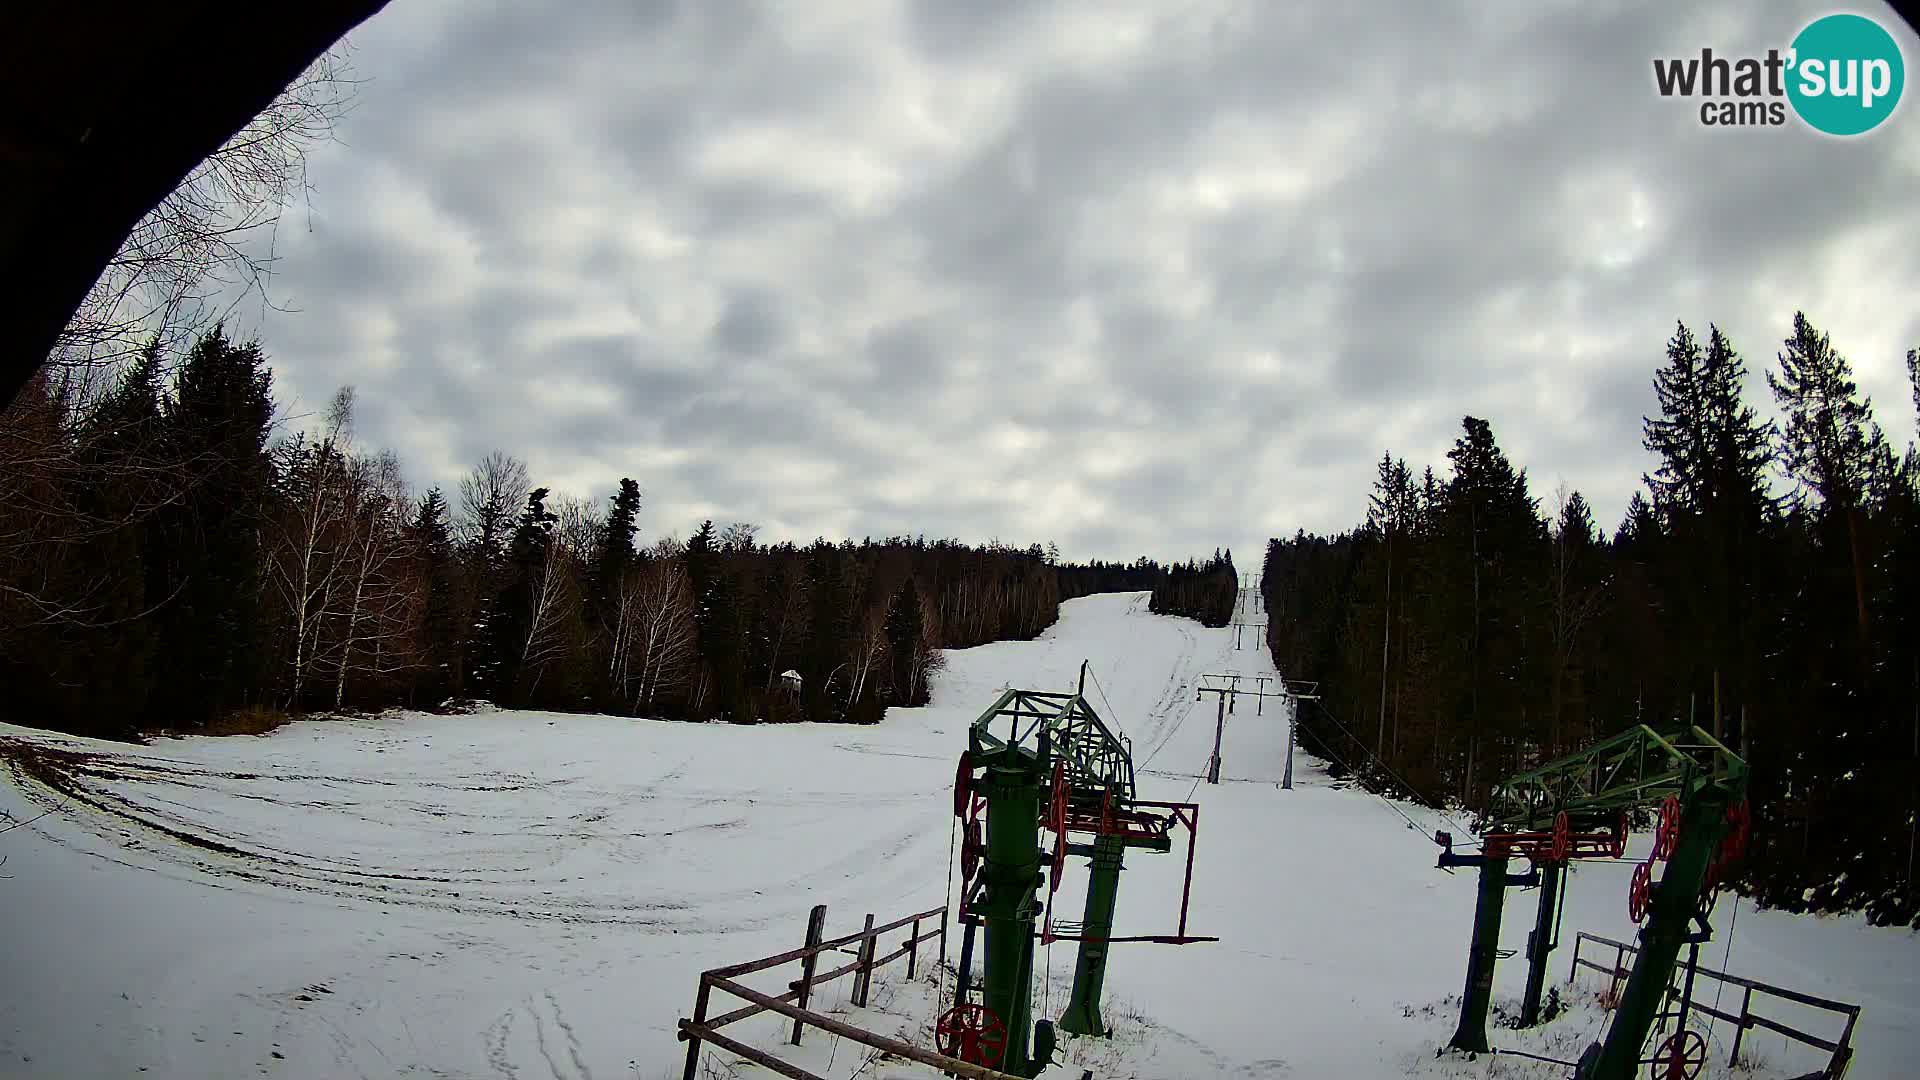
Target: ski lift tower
1037,760
1576,807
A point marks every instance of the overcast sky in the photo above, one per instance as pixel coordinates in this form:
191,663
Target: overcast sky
1137,277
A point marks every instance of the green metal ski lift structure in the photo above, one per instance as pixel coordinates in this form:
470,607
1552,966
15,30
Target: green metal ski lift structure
1039,762
1577,807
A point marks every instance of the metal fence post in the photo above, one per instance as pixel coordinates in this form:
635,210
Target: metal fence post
699,1017
1740,1030
913,948
863,975
816,927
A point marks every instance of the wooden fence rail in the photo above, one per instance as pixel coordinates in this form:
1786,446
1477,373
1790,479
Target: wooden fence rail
793,1004
1840,1050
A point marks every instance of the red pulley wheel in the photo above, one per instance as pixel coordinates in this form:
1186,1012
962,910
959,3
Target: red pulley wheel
1617,847
1680,1057
1740,826
972,1033
1562,838
970,851
1667,836
1639,891
963,784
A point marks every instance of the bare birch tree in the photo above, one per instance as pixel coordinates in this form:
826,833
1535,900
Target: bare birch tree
302,567
869,650
555,612
656,638
376,597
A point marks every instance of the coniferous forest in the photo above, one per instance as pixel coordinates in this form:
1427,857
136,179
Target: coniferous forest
170,558
1205,592
1764,585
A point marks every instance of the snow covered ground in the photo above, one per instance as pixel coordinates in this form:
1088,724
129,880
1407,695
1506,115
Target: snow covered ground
531,896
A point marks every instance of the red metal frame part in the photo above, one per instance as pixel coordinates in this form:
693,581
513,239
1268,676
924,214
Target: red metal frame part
1556,845
1127,823
972,819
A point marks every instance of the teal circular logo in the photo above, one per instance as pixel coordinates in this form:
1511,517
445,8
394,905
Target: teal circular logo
1845,74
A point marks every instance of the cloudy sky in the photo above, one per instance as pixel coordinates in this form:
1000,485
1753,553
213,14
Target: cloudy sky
1138,277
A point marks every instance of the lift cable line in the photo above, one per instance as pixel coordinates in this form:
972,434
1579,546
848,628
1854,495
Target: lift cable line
1409,788
1391,803
1112,713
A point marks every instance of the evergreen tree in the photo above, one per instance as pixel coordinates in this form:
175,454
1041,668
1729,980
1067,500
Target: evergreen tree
717,615
441,632
1913,448
1831,445
905,625
830,639
513,619
208,543
1679,435
616,547
1711,492
124,450
1496,537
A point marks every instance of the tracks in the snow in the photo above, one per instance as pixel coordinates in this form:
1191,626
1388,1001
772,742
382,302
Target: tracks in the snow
455,846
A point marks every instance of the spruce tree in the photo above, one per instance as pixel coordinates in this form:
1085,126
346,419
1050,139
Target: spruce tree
1831,445
125,477
1711,492
209,541
1496,537
616,548
512,618
830,634
905,624
717,617
441,632
1678,436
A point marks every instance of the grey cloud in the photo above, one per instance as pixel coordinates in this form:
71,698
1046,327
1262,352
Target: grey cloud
751,324
969,264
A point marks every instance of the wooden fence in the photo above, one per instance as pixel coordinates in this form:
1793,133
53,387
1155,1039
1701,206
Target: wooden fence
793,1004
1841,1049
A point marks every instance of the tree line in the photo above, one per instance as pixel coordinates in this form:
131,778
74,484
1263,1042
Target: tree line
168,558
1203,591
1764,585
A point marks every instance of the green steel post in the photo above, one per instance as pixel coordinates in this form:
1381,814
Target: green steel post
1671,908
1471,1035
1090,971
1540,944
1012,874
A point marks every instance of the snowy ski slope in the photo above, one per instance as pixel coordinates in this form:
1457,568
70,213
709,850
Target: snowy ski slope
531,896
